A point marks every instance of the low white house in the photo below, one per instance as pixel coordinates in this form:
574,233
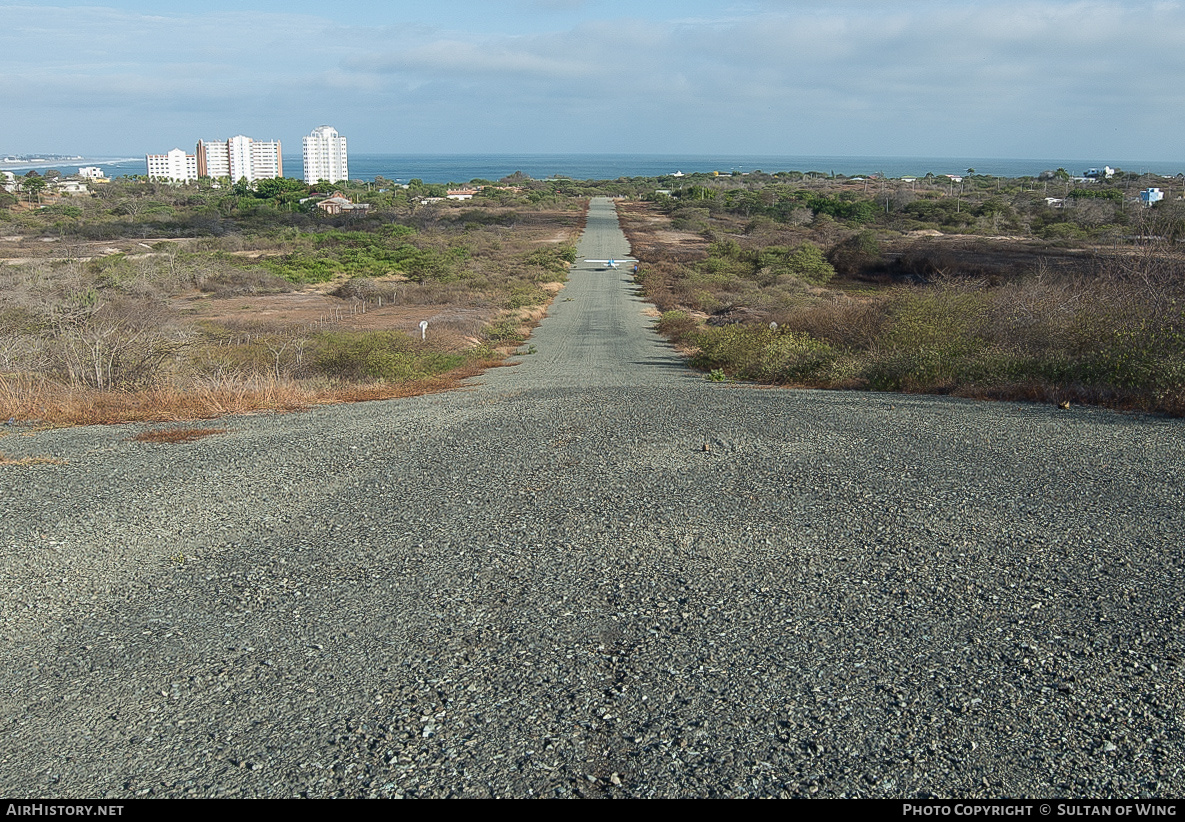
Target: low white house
340,204
92,173
71,187
1151,195
461,193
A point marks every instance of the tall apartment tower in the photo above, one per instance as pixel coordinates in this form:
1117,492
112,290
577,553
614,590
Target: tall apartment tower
240,157
176,165
325,156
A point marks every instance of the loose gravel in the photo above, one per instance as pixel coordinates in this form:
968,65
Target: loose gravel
594,573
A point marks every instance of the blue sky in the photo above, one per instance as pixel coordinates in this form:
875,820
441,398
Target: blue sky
1031,78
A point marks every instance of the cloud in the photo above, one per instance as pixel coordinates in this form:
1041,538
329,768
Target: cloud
473,60
918,76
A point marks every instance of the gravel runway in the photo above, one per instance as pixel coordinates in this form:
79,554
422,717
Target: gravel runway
593,573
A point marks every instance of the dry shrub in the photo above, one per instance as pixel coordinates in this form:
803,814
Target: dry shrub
441,293
371,289
676,325
453,330
121,343
223,280
842,321
669,286
760,353
1038,315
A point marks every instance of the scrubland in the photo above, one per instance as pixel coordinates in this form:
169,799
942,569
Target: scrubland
788,286
160,303
147,301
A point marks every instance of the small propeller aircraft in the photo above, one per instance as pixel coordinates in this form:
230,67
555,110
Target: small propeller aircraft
612,263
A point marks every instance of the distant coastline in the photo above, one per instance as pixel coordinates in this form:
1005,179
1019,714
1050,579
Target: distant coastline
461,168
67,165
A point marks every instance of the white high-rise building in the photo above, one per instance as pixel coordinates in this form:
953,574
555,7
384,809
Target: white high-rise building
213,159
325,156
266,162
176,165
240,157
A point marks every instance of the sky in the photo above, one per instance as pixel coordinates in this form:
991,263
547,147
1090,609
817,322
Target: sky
1030,78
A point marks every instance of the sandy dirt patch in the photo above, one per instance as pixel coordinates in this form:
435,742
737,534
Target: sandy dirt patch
673,236
15,250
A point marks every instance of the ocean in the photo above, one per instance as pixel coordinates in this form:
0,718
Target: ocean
461,168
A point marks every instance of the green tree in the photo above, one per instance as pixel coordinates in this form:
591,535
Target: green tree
995,209
33,184
696,193
856,253
808,263
278,187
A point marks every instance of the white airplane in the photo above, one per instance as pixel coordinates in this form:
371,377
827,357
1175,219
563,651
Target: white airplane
612,263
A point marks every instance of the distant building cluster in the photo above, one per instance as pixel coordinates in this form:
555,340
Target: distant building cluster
242,157
237,158
61,186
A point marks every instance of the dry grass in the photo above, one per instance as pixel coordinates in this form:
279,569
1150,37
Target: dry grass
7,460
171,435
50,403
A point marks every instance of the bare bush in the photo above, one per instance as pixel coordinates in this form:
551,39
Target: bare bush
841,321
116,344
224,280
